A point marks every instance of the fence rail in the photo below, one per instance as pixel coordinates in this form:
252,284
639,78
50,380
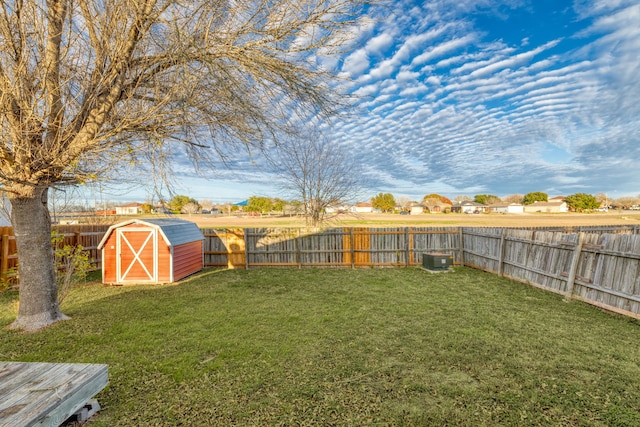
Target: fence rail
600,265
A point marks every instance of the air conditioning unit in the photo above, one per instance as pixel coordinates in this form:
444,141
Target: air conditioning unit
437,262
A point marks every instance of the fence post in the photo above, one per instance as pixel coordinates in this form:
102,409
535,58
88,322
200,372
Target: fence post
407,233
461,245
501,254
246,248
353,250
298,253
574,267
4,264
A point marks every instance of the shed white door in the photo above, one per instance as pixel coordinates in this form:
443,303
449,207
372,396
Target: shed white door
137,259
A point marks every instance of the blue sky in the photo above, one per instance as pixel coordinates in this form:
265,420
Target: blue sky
476,96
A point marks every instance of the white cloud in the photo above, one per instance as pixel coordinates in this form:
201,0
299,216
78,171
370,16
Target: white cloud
356,63
407,76
414,90
442,49
433,80
367,90
511,61
384,69
379,43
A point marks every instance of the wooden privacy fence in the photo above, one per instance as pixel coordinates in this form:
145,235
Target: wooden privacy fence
336,247
353,247
86,235
601,269
600,265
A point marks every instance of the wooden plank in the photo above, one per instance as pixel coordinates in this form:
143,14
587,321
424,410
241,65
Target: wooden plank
46,394
236,255
4,262
587,284
409,245
501,254
362,243
461,240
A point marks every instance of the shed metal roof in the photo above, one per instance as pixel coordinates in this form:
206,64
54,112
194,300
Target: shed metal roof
174,231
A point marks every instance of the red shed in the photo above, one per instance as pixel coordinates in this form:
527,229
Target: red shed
160,250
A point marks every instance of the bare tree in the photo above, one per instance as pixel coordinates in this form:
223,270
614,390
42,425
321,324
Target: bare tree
462,198
625,202
404,202
513,198
88,85
190,208
206,204
319,173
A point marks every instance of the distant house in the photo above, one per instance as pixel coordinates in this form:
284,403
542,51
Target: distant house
435,205
417,209
161,208
336,209
547,207
468,207
437,208
510,208
362,207
129,209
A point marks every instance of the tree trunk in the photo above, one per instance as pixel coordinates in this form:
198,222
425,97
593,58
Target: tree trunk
38,288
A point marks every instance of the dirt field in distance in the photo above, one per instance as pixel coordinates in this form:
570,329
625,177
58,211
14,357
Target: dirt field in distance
426,220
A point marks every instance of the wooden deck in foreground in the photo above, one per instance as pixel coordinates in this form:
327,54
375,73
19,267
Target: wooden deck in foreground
46,394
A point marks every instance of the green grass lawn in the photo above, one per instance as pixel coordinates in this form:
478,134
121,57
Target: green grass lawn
344,347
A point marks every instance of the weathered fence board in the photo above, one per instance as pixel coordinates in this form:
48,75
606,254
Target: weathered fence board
611,272
224,248
536,257
482,248
600,268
